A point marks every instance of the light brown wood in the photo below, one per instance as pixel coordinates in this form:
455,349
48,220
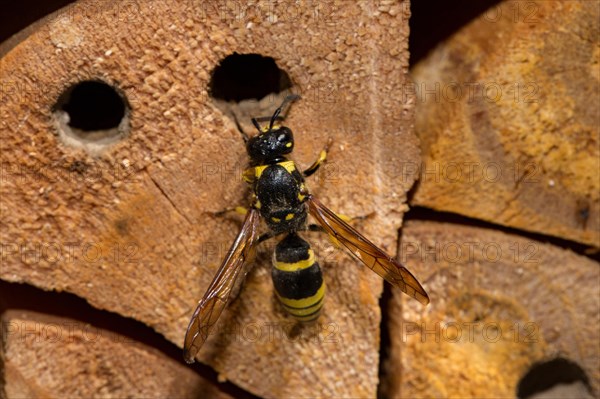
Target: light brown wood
53,357
499,303
129,226
508,119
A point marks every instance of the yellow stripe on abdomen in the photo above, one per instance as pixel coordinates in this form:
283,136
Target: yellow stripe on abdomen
298,265
297,278
305,307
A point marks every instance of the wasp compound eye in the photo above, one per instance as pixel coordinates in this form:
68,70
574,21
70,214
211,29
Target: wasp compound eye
286,138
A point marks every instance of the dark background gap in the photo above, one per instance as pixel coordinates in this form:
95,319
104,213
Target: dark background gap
433,21
17,15
67,305
425,214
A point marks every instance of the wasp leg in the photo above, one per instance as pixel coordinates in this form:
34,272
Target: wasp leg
238,209
315,227
345,218
245,136
320,229
264,237
322,158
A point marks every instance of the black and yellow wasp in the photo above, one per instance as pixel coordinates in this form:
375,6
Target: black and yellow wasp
281,199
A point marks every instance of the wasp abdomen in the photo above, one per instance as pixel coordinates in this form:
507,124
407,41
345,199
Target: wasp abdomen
297,278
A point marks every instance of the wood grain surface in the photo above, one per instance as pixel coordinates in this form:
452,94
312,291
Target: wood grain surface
508,119
500,303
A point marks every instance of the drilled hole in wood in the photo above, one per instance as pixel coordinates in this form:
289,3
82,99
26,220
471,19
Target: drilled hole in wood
548,375
241,77
91,114
244,86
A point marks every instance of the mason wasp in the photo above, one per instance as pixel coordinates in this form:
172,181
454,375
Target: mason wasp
282,200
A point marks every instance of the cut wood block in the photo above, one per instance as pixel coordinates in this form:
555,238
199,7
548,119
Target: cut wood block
508,119
123,215
52,357
500,303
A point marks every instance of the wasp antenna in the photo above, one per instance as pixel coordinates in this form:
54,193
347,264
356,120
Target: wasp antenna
290,98
256,124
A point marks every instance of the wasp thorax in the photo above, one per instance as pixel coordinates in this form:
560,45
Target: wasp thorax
271,145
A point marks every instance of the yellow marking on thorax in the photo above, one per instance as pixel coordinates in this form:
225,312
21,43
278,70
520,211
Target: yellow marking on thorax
290,166
301,264
250,175
258,170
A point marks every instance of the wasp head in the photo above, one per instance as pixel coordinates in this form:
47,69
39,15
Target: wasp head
272,142
271,145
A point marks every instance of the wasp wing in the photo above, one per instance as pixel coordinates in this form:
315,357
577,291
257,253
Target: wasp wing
212,304
367,252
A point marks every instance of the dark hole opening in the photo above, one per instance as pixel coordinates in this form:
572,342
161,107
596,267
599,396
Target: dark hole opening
433,21
247,76
92,106
546,375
